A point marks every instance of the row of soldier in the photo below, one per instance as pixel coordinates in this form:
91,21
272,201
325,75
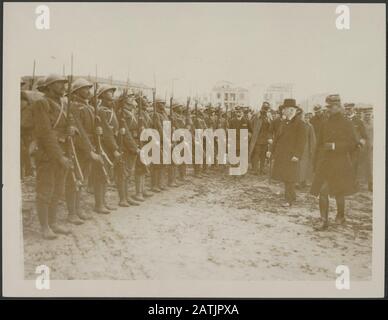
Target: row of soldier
92,138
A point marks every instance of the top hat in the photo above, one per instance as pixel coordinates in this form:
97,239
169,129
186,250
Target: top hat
333,99
349,105
289,103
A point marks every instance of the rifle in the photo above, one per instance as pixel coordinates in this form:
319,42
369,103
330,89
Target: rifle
171,113
269,149
139,117
187,112
196,113
154,107
76,171
98,129
33,76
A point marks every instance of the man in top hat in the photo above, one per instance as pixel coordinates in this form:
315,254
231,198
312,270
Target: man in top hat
317,119
334,175
360,133
85,145
287,150
261,138
51,130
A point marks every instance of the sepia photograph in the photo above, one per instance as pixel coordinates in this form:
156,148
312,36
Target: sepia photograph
194,149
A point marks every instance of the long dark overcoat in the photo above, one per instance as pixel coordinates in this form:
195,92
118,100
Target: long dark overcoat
334,166
289,142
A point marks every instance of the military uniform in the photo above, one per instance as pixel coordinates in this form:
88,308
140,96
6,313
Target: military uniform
84,142
262,135
361,137
110,126
51,129
333,169
158,170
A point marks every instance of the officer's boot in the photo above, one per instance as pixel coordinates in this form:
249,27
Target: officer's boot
145,193
139,190
52,219
340,218
154,180
131,199
105,203
122,189
42,210
71,195
171,176
324,211
80,213
161,173
98,199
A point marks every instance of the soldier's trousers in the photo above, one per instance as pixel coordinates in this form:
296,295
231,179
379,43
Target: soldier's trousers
99,185
157,173
258,157
72,195
171,174
355,159
121,176
182,171
289,188
50,184
324,203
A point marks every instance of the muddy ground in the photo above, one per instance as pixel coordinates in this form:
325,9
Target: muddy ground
212,228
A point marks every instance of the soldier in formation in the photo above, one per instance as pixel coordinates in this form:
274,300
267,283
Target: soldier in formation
78,135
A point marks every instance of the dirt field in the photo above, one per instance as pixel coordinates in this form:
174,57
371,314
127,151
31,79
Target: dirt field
214,228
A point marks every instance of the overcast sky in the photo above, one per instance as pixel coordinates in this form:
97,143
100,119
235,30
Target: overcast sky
198,44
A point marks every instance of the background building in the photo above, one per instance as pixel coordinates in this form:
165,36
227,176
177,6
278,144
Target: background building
276,93
229,95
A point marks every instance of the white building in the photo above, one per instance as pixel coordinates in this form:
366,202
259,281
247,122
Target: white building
276,93
308,104
229,95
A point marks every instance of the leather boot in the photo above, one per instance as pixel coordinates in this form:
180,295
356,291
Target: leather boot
139,189
324,211
98,198
80,213
122,186
340,217
42,210
132,202
52,220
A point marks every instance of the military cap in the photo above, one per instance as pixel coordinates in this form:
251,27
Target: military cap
265,106
103,88
289,103
349,105
40,83
80,83
160,101
54,78
333,99
175,106
317,107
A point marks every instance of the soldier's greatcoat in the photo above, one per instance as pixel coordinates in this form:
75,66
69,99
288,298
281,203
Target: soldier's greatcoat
334,166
